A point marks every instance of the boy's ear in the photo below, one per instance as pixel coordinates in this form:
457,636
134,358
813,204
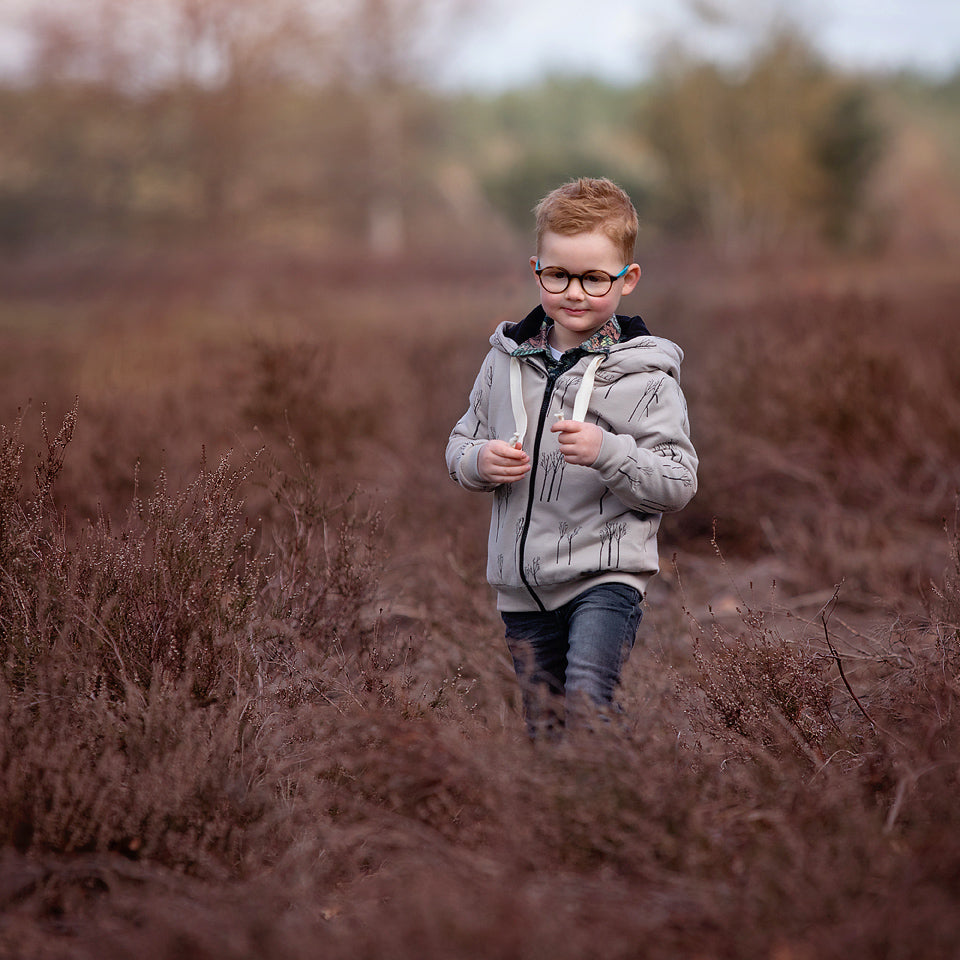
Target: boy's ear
533,263
631,278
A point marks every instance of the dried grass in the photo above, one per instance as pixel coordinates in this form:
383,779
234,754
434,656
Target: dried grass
262,708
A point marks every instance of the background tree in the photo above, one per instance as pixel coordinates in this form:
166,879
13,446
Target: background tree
229,55
781,147
380,57
147,99
315,123
554,131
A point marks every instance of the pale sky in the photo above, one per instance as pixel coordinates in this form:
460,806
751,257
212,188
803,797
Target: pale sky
511,41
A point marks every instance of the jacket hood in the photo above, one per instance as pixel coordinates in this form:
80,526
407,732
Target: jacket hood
637,350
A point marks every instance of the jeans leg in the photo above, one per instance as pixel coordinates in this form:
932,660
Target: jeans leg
538,646
603,625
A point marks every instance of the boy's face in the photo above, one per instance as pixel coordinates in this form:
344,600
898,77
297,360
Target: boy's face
575,314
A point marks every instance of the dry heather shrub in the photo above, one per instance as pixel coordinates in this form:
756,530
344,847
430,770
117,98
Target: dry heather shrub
828,433
879,752
299,389
152,776
658,852
913,708
944,603
167,592
115,648
750,686
757,686
139,669
184,585
31,545
846,382
325,553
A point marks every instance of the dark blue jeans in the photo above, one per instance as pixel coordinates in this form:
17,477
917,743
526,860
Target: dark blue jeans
568,660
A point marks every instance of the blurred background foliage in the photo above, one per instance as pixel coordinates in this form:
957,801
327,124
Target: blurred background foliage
316,123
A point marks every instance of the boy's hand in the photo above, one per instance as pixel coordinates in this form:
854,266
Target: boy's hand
579,442
498,462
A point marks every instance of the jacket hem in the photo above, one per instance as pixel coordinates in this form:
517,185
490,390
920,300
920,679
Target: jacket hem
552,596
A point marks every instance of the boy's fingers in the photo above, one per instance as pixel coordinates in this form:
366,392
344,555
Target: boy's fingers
513,455
503,449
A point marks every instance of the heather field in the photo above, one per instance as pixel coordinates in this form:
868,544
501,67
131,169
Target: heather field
255,699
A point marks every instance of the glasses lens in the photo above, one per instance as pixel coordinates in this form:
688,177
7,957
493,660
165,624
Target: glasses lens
554,280
596,283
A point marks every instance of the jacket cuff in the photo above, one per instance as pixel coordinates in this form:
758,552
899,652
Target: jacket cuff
469,472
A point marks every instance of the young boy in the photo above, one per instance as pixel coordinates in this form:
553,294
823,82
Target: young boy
578,427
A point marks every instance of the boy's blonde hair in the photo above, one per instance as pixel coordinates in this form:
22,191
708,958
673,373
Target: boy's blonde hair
588,204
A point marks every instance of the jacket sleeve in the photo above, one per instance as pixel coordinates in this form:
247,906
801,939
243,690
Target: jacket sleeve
470,434
653,467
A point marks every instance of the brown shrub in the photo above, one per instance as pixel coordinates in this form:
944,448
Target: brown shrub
827,428
264,709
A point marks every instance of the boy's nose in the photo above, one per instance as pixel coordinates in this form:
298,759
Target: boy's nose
575,289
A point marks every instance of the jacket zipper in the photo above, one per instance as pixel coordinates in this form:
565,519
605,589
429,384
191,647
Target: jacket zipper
553,374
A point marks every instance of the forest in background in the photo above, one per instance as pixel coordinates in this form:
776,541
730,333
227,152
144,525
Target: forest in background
254,697
221,122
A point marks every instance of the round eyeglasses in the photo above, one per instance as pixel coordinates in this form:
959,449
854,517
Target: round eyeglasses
595,283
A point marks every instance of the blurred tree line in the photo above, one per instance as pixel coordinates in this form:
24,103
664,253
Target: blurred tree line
315,122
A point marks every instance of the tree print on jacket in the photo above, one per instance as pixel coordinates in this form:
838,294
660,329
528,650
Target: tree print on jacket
479,398
608,533
502,500
668,451
651,395
636,474
553,465
570,538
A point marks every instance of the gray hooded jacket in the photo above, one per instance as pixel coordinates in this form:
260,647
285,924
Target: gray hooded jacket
564,528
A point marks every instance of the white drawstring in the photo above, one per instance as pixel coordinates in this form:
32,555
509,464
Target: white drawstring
582,399
516,401
580,402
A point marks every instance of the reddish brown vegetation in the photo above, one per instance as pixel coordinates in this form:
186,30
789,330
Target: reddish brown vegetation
254,697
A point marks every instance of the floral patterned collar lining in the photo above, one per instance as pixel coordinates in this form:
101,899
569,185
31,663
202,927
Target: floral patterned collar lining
600,342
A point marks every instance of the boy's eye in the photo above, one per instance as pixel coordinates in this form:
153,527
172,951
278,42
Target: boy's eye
596,276
554,273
